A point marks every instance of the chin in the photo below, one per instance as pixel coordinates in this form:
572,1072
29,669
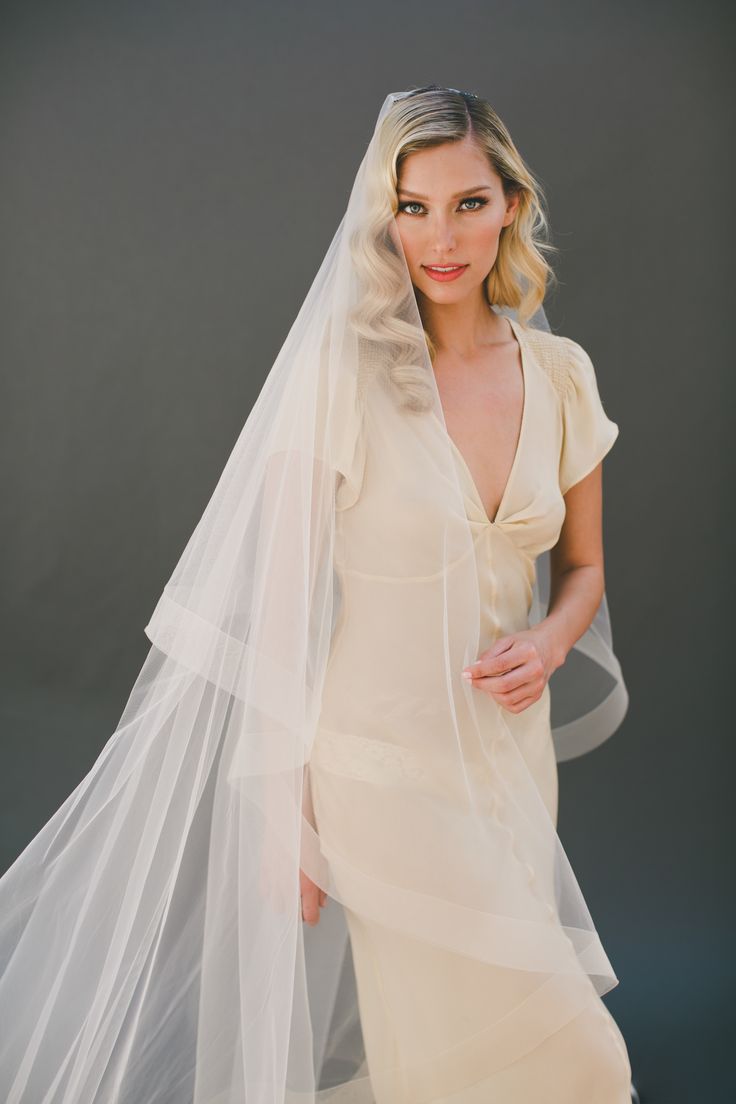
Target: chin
441,293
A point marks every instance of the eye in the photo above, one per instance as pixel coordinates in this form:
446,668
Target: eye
409,203
481,200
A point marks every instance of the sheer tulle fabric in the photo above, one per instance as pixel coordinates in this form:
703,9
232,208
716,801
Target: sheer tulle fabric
302,705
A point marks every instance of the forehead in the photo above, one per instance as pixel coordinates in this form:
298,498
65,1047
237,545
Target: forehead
441,171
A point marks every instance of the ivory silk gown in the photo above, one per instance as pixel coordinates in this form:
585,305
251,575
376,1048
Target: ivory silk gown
430,1016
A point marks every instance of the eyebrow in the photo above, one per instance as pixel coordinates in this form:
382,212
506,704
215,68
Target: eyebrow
465,191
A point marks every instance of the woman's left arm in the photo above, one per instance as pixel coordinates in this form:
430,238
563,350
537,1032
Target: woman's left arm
577,578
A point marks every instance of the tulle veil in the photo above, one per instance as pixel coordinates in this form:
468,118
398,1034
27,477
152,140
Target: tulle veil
151,943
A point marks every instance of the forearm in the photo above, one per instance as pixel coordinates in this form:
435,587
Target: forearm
575,596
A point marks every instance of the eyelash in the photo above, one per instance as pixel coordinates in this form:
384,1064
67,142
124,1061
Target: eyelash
468,199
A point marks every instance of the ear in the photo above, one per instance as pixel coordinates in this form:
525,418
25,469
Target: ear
512,206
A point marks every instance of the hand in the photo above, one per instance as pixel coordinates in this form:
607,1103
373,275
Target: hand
313,899
516,669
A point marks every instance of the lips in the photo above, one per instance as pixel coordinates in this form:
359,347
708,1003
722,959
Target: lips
443,273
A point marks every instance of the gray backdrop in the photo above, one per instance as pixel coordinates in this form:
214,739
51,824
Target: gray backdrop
172,174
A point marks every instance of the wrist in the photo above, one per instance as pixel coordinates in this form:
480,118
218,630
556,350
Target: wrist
554,644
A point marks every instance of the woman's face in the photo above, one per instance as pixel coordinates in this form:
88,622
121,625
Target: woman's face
452,209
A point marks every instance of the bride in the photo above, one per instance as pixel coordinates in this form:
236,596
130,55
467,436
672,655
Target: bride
317,860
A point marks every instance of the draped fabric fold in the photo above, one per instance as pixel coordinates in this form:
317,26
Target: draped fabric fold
302,708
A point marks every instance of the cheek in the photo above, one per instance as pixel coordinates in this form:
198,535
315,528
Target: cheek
405,241
485,238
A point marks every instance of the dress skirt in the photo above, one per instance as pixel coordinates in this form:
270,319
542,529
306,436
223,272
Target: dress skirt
430,1017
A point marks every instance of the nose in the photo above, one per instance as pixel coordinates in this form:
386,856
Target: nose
443,235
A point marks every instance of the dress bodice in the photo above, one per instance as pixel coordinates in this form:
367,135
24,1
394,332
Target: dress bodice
408,493
409,521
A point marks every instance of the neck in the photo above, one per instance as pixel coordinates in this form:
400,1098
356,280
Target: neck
464,328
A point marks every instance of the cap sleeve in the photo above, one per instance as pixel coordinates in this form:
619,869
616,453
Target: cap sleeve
350,453
325,422
588,433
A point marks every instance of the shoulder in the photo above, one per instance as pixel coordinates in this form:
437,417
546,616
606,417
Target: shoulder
562,359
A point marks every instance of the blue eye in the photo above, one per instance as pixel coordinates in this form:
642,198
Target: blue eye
409,203
480,200
476,199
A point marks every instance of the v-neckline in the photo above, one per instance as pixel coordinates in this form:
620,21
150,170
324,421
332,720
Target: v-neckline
496,520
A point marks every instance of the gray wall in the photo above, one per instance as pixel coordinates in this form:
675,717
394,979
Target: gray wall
171,176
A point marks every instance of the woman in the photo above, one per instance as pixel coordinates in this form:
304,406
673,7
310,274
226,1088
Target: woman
302,728
460,187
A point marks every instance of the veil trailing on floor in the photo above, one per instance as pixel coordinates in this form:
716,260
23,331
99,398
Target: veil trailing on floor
151,942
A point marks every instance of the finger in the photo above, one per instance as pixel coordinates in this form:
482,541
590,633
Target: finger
519,707
533,684
310,894
310,911
507,652
502,645
523,652
516,702
509,660
531,671
510,682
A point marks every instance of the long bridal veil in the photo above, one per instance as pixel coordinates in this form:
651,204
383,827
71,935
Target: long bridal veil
151,942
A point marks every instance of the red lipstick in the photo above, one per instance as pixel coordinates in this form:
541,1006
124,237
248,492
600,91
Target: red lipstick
443,273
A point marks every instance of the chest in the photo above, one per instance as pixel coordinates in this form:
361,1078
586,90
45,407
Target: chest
484,404
418,493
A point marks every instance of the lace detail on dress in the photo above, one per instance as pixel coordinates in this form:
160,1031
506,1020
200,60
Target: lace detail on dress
384,764
365,759
553,356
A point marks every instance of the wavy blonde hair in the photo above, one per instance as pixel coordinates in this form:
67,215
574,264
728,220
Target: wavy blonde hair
422,119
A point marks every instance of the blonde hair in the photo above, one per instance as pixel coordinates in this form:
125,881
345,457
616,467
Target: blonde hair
421,119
